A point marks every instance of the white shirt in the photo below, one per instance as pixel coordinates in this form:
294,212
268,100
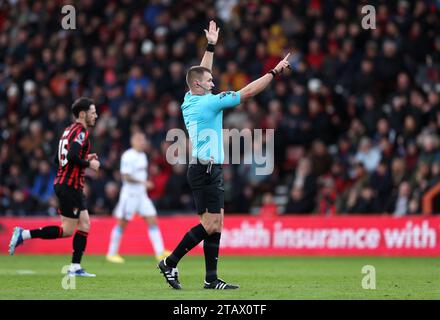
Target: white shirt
134,164
401,206
369,159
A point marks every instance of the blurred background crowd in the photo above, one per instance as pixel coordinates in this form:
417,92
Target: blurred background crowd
356,120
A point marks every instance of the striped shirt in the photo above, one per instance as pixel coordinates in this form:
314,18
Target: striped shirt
73,148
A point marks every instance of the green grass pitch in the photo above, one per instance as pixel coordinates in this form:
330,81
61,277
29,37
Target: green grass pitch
280,278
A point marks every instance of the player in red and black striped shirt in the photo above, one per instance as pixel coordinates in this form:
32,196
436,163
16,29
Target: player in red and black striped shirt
72,159
73,153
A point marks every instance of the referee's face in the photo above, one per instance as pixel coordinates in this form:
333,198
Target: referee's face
207,82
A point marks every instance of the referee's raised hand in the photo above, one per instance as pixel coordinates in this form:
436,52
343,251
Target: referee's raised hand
212,32
283,64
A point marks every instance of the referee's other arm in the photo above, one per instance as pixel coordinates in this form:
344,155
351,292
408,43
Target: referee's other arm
255,87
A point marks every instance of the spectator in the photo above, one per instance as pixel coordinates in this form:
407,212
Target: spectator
320,158
327,198
435,174
400,203
159,180
172,200
136,81
303,188
359,180
15,180
233,79
384,131
298,202
106,204
368,155
364,203
398,171
365,81
420,179
430,149
382,184
268,208
371,115
42,188
18,206
411,156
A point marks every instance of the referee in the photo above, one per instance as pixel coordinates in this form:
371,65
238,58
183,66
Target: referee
203,112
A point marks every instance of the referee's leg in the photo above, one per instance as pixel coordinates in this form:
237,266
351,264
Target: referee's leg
209,230
213,224
192,238
168,266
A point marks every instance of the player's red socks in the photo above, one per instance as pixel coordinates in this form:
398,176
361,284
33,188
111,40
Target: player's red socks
49,232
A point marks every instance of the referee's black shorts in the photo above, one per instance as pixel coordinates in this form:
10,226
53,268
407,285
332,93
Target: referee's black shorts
71,201
207,188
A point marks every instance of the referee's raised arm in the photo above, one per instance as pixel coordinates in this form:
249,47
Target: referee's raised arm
261,83
212,37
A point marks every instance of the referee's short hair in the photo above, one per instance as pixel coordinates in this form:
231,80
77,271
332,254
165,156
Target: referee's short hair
194,73
81,104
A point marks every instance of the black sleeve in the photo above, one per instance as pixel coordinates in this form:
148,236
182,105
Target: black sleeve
73,155
55,160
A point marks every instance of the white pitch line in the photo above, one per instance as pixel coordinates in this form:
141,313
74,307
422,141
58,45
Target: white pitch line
26,272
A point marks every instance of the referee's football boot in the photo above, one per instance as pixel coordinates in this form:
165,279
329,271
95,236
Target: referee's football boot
171,275
16,240
219,284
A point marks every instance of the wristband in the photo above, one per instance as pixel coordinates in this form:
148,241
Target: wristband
273,72
210,47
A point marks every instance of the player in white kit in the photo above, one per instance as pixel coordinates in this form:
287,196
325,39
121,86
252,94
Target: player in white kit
133,199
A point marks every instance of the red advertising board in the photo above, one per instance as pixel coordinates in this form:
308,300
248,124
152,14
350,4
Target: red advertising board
249,235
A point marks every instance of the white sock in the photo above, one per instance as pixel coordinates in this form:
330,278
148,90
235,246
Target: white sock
74,267
156,239
26,234
115,240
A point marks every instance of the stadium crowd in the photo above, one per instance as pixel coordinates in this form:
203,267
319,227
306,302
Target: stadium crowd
357,120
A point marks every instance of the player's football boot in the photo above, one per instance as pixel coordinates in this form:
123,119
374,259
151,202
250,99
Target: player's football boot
81,273
116,258
16,240
162,256
171,275
219,284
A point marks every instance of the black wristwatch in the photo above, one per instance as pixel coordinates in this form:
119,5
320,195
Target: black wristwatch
210,47
273,72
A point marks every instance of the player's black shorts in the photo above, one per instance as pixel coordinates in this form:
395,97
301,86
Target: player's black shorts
207,188
71,201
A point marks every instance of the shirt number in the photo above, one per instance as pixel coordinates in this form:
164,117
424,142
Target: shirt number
62,152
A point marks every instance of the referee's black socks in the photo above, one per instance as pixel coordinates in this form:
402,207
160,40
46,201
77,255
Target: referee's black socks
211,247
189,241
49,232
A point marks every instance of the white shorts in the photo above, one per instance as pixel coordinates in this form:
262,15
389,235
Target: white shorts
130,204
